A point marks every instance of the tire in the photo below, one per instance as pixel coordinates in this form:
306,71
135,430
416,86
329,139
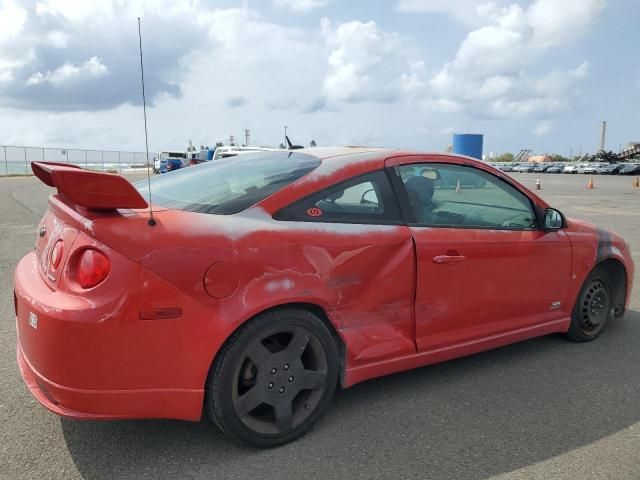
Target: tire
592,309
273,378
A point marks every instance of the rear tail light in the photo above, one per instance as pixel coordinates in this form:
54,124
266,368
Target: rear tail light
92,268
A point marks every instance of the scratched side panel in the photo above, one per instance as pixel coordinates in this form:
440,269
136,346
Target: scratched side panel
362,276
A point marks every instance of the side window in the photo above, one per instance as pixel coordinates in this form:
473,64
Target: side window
444,195
356,199
364,199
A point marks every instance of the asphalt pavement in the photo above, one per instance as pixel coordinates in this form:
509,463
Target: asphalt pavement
545,408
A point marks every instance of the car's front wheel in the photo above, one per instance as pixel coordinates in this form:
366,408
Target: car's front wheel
273,378
592,309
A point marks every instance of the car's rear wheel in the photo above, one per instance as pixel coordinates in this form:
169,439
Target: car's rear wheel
592,309
273,378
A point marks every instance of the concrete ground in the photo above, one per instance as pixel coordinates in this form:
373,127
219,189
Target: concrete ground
541,409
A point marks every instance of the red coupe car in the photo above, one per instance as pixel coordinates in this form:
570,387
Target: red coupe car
259,283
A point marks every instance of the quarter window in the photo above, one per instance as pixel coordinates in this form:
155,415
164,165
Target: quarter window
444,195
364,199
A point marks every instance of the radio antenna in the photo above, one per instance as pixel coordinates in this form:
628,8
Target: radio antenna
151,220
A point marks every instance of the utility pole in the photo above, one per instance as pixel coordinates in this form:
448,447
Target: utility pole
285,135
602,135
247,136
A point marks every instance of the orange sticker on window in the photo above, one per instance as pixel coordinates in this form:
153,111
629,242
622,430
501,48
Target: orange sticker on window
314,212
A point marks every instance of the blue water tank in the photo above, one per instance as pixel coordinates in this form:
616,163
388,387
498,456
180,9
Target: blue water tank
469,144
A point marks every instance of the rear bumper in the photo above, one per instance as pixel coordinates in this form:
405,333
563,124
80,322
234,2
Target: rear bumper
40,388
92,357
83,404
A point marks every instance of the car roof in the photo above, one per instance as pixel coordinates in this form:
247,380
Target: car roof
324,153
339,152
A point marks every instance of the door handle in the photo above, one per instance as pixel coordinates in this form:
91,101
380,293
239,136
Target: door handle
449,258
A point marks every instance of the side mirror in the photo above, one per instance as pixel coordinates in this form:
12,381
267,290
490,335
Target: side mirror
553,219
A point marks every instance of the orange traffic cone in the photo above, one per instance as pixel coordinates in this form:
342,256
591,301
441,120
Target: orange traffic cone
538,186
458,187
590,184
637,182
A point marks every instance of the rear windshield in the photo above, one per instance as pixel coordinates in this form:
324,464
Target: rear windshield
228,186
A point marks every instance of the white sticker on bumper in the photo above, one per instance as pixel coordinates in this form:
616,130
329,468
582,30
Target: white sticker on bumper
33,320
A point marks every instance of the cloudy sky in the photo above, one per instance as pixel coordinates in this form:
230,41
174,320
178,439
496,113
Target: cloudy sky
540,74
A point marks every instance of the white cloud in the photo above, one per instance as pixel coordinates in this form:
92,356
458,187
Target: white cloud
415,80
447,130
560,81
556,22
497,48
58,39
7,68
542,128
528,106
12,20
300,6
495,86
243,37
69,73
366,63
444,105
282,71
76,10
492,68
349,80
52,46
464,11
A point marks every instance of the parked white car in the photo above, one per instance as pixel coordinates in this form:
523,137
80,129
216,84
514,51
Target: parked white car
570,168
592,168
232,151
524,168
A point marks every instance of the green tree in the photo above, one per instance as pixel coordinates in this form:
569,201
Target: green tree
505,157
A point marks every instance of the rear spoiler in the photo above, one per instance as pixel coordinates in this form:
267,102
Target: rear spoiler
92,190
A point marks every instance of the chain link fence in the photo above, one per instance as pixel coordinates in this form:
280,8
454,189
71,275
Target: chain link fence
16,160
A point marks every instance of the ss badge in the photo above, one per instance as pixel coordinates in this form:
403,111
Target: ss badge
33,320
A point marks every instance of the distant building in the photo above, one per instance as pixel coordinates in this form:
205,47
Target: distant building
539,158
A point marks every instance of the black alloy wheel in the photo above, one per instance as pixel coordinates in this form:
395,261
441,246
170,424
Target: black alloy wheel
273,378
592,309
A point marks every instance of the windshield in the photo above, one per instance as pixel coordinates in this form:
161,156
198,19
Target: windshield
230,185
